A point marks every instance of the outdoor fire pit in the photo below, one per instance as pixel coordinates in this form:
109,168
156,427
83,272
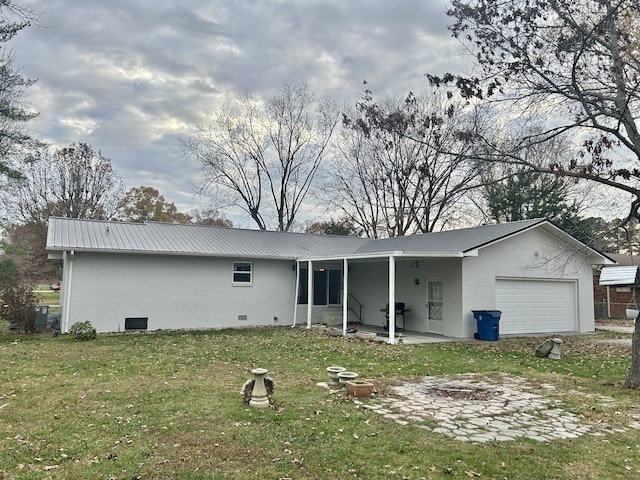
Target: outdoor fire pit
462,393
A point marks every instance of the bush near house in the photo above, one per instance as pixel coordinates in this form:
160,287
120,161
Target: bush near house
83,331
18,306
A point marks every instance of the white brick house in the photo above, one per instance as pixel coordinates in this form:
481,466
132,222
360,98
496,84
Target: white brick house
129,276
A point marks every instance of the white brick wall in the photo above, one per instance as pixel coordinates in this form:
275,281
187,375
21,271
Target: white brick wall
531,255
177,292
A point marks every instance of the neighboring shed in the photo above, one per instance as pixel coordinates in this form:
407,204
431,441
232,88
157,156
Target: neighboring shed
615,286
617,276
618,287
124,276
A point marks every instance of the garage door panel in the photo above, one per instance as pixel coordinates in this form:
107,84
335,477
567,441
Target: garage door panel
535,306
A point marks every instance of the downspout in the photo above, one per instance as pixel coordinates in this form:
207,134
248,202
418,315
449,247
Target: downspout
309,292
67,262
392,299
295,299
345,294
608,302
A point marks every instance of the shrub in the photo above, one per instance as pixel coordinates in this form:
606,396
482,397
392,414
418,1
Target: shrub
18,305
83,331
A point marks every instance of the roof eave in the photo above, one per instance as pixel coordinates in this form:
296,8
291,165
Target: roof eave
397,254
559,233
169,253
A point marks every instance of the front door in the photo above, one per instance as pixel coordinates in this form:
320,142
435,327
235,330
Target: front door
434,306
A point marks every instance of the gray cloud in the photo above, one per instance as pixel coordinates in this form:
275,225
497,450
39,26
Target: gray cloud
131,77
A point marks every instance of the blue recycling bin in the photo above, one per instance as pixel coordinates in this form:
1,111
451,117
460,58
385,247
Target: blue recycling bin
488,322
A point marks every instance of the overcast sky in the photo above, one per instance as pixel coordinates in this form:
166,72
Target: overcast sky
131,77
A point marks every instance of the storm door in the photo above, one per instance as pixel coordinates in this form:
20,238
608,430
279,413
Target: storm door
434,306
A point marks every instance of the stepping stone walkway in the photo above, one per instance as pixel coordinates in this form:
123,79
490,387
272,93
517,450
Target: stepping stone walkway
476,411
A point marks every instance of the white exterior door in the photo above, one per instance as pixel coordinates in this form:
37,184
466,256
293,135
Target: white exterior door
536,306
434,306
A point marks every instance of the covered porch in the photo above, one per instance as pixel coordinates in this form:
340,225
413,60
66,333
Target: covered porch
357,290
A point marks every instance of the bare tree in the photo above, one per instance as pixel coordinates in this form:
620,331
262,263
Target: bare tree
264,157
210,216
396,170
580,63
74,182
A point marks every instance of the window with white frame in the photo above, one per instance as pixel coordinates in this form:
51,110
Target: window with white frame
242,273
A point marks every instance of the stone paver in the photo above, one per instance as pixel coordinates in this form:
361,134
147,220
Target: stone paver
467,409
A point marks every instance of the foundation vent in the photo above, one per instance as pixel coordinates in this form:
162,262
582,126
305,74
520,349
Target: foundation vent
136,323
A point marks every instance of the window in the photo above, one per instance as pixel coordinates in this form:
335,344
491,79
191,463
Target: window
335,287
242,273
303,288
320,287
327,287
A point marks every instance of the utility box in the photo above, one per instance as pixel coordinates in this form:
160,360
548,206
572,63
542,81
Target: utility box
42,313
488,323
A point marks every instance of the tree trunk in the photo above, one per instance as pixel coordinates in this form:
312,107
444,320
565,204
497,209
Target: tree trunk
633,379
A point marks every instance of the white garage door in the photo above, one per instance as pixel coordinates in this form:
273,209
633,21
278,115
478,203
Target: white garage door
536,306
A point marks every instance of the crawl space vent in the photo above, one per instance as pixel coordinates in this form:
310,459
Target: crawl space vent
242,317
136,323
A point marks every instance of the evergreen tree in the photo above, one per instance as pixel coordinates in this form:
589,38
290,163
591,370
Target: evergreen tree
14,108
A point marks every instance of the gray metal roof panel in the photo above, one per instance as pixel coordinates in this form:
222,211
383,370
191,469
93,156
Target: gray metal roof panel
627,275
167,238
450,241
181,239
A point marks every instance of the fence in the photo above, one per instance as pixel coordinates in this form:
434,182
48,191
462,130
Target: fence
611,310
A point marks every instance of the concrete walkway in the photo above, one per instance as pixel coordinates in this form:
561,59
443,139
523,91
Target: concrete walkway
406,337
615,328
469,409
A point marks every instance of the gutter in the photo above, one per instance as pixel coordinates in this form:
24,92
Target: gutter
67,262
174,253
295,299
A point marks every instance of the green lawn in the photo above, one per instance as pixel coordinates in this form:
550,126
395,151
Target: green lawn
168,405
48,297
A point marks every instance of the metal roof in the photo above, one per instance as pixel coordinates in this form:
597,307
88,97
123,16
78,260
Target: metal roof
624,260
627,275
179,239
449,242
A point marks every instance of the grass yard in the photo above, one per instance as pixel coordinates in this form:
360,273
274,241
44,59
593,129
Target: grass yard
47,296
168,405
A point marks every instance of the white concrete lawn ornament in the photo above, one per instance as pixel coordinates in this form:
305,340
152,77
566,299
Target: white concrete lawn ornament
550,349
258,390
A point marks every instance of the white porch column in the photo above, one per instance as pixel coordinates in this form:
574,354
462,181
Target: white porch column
345,295
392,299
309,292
